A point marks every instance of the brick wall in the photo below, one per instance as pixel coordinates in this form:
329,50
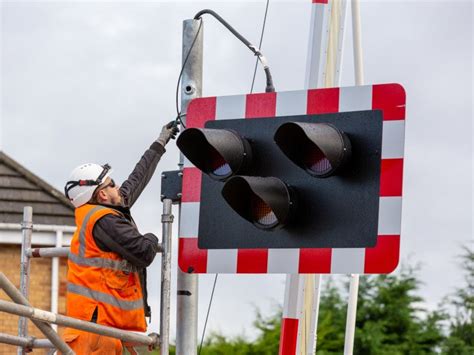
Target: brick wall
40,291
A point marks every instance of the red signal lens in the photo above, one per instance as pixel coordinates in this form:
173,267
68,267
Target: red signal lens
316,161
262,213
218,165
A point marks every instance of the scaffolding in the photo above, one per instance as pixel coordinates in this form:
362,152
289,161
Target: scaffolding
43,320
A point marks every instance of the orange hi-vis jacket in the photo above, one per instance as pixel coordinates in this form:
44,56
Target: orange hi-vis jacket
102,280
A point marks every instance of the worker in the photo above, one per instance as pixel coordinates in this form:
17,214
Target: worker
108,255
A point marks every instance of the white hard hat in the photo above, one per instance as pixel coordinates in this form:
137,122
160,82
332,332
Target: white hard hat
84,180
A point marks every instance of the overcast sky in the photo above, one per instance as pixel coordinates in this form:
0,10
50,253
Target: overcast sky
95,81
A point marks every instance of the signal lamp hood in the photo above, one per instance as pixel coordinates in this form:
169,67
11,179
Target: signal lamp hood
267,202
319,148
219,153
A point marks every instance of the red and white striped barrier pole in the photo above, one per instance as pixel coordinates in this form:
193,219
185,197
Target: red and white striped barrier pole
292,312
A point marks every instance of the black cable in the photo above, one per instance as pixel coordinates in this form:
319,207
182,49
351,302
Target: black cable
228,26
208,311
260,45
178,117
269,86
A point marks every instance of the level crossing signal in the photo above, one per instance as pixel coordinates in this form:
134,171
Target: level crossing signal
296,179
306,181
267,202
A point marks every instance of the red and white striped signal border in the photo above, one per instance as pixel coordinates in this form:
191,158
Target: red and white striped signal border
381,259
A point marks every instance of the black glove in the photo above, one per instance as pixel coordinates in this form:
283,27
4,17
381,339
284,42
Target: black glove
169,131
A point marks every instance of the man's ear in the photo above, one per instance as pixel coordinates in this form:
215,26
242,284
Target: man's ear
102,196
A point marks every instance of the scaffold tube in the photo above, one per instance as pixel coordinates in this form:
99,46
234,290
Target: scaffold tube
29,342
45,316
45,328
47,252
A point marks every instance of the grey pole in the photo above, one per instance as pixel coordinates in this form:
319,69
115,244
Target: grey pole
187,292
45,328
26,232
167,221
191,80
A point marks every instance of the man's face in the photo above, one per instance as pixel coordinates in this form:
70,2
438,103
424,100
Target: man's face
109,193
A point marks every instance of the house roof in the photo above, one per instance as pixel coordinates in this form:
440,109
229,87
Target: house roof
19,187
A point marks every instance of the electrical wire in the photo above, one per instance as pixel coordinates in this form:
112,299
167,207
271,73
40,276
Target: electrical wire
208,311
260,44
179,114
251,89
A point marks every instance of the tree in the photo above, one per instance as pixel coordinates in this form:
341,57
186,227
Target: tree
267,343
390,320
331,323
460,340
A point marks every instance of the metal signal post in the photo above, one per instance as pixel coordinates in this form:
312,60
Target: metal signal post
187,292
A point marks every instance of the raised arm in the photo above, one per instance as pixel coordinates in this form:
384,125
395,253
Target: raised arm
145,168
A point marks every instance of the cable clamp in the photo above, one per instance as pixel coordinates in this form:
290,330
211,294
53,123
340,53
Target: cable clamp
255,50
26,225
264,61
167,218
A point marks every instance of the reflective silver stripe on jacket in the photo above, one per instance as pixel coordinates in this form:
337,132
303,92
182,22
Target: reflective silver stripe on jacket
82,232
120,265
105,298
